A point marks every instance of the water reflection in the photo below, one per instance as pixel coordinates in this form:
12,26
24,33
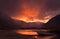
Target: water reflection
36,34
27,32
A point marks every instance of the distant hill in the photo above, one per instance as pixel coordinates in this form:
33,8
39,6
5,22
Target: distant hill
53,24
6,22
35,25
30,25
8,27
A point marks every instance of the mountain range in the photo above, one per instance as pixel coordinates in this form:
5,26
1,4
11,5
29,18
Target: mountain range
6,22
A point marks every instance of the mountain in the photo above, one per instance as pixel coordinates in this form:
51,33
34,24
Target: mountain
6,22
53,24
8,27
35,25
30,25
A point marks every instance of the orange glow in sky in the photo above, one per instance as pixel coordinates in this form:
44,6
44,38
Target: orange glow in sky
29,13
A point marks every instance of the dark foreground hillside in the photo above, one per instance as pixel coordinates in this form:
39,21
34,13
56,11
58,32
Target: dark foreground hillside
54,26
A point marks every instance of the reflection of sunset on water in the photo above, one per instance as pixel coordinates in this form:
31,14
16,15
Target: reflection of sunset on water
34,34
27,32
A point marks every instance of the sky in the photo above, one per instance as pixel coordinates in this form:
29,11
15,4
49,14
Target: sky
40,7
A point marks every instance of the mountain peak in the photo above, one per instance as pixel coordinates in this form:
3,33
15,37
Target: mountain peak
53,24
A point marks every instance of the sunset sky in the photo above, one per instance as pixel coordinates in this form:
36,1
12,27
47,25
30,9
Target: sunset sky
36,9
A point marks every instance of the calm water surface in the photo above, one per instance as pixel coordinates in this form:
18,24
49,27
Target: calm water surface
34,33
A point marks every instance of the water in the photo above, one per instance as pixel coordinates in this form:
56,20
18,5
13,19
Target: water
23,34
33,34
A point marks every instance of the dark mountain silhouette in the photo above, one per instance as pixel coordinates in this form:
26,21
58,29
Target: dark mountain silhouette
7,22
8,27
35,25
53,24
32,25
